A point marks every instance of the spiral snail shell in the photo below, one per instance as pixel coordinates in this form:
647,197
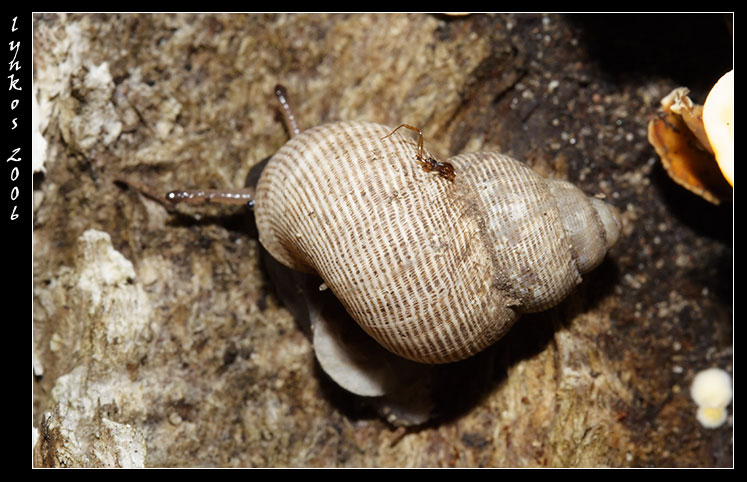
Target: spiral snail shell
433,269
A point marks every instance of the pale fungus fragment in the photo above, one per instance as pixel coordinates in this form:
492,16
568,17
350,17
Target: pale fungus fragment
711,390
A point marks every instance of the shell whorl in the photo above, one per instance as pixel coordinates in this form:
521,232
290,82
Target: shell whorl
434,270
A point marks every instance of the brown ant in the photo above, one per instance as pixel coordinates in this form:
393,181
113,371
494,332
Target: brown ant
444,169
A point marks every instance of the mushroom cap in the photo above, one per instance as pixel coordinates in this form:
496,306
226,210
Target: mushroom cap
711,388
718,118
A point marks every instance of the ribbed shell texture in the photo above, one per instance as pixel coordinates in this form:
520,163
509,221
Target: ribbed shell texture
434,270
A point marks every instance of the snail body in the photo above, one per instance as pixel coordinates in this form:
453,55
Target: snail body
433,269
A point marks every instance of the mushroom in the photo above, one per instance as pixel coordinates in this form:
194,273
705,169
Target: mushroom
690,139
711,390
718,119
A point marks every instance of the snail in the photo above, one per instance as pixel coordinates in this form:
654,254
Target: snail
434,260
433,269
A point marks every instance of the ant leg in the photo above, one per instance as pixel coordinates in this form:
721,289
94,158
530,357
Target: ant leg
287,111
420,137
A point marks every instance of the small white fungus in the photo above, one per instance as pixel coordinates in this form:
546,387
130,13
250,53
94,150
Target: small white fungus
712,392
711,388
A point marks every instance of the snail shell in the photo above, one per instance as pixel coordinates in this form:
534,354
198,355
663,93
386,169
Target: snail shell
434,270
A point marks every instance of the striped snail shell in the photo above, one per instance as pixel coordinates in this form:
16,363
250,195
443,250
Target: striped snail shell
433,269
